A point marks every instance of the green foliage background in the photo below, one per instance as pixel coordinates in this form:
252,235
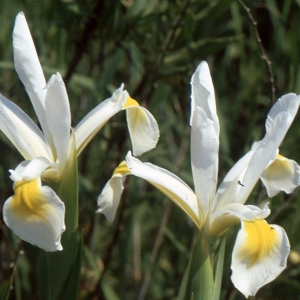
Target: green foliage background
153,47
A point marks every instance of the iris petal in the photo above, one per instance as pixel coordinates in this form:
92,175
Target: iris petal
58,117
29,69
97,118
109,199
259,255
142,126
169,184
282,175
35,214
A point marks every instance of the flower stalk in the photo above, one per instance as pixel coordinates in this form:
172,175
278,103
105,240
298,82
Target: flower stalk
59,271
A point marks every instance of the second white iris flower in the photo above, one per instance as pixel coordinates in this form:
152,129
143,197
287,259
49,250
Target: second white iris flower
260,250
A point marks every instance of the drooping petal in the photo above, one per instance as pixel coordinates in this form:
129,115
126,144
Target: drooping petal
97,118
143,128
169,184
29,69
281,175
110,197
58,117
259,255
236,186
22,131
35,214
204,136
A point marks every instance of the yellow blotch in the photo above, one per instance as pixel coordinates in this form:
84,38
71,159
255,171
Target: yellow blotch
122,169
130,102
280,168
259,242
28,201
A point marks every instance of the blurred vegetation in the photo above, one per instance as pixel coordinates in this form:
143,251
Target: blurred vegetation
153,47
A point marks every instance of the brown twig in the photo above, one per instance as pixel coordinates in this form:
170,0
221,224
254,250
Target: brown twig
262,51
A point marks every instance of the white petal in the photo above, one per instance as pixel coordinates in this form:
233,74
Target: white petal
109,199
58,116
237,187
282,175
35,214
204,155
259,255
231,214
22,131
143,129
232,184
203,94
29,69
30,169
204,136
97,118
169,184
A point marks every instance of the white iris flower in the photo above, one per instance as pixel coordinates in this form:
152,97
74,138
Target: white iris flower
35,213
260,250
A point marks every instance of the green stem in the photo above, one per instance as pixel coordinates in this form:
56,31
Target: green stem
58,272
204,276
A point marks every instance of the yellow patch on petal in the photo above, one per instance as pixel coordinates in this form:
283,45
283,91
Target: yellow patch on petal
130,102
259,242
280,168
122,169
28,201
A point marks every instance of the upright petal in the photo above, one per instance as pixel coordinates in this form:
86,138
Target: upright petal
143,128
29,69
281,175
204,136
259,255
204,155
97,118
58,117
169,184
22,131
236,186
109,199
35,214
